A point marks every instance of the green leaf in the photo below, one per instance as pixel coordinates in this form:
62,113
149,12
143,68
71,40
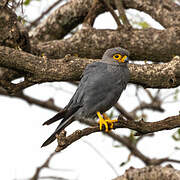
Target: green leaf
143,24
176,135
27,2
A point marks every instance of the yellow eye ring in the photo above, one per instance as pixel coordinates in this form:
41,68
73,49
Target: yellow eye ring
117,57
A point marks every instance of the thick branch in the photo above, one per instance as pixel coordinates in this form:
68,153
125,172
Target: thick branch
110,9
70,68
144,44
151,173
12,33
149,127
68,16
122,14
141,127
36,21
165,12
62,20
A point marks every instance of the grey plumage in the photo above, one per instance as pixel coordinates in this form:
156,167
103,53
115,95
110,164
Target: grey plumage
99,89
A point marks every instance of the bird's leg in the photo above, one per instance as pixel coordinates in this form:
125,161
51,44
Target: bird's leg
108,120
102,121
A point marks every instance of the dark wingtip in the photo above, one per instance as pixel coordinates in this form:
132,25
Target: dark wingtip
55,118
49,140
45,123
43,145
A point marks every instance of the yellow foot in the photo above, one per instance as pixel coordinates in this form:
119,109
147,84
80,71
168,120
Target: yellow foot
109,121
105,120
101,122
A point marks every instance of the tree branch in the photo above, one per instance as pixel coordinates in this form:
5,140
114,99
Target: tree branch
141,127
110,9
44,165
149,127
122,14
151,172
165,12
70,68
36,21
92,13
63,20
144,44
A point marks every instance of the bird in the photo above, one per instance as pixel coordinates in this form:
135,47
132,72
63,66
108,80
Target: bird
99,89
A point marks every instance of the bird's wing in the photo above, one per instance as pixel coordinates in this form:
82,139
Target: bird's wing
97,86
74,104
103,86
101,81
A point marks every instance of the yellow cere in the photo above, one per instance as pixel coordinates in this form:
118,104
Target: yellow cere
123,59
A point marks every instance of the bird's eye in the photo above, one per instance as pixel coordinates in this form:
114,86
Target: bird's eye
117,57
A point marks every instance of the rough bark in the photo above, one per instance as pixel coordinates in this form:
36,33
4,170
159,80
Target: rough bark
70,68
62,20
50,61
68,16
165,12
144,44
151,173
12,33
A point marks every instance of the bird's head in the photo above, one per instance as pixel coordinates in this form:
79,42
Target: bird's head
116,55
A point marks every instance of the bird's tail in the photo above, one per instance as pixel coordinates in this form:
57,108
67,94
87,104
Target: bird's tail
66,116
58,116
64,123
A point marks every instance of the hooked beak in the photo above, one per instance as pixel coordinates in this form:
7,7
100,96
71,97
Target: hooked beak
126,60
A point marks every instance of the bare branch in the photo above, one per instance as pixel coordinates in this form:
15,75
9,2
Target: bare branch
52,177
122,13
103,157
44,165
141,127
91,43
149,127
110,9
152,106
151,172
164,12
36,21
14,88
92,14
40,69
62,20
49,104
124,112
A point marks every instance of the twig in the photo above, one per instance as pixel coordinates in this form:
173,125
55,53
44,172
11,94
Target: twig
110,9
104,158
44,165
122,14
152,106
149,127
52,177
91,16
132,148
36,21
141,127
123,111
49,104
15,88
149,94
